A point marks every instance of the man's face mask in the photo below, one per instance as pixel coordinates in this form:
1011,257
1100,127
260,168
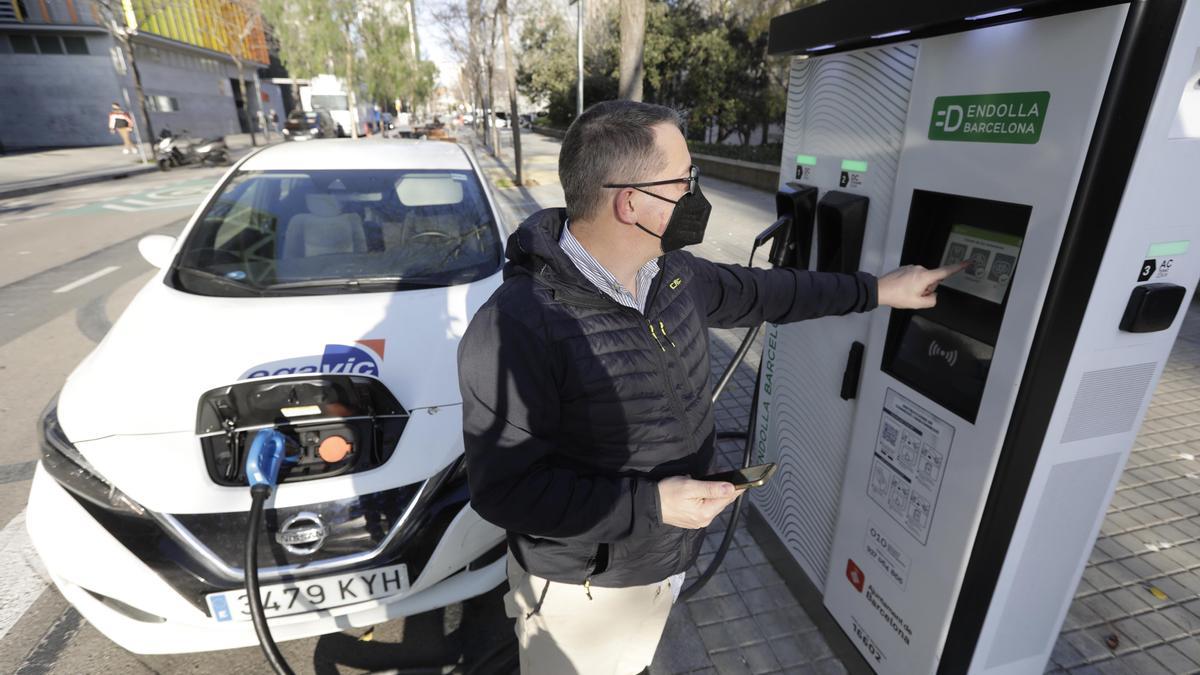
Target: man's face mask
689,218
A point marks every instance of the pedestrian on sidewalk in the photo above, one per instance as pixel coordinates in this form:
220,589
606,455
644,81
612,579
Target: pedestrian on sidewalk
586,387
121,123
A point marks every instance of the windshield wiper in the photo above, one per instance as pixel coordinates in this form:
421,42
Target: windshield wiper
221,280
358,283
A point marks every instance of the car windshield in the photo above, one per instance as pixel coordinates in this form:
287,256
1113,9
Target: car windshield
320,232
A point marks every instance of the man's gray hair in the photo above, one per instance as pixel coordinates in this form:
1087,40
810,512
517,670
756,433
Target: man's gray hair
611,142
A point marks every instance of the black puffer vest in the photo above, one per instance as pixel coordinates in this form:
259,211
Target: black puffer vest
575,405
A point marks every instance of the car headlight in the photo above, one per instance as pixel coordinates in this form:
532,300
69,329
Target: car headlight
287,132
70,468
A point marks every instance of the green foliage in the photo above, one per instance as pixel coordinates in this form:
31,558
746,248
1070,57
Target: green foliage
356,40
706,59
763,154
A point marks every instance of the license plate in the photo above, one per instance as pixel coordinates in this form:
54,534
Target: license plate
296,597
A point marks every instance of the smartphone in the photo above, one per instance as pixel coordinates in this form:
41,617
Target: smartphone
752,476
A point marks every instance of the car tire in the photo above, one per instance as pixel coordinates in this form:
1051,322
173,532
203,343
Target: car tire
163,165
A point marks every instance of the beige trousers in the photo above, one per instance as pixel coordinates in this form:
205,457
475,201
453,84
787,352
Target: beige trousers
613,633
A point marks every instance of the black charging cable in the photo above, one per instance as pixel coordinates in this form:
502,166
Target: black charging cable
738,357
263,461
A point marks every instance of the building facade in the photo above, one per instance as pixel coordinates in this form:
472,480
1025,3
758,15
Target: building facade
61,70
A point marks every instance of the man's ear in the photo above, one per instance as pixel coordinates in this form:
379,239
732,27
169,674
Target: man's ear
623,208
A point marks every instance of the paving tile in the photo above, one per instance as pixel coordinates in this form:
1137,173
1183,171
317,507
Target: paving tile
1064,655
1099,580
730,663
1089,643
719,636
679,650
760,658
1127,601
784,621
806,648
1162,626
1172,659
1105,608
747,578
717,610
1179,616
1140,663
1136,635
1080,615
1114,667
831,667
719,584
1113,548
1190,648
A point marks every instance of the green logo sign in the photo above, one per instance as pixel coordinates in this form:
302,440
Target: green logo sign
990,118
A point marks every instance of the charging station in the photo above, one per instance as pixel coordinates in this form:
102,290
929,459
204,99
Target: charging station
944,472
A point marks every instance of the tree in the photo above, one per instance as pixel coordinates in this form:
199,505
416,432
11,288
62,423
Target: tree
116,21
633,38
319,36
233,25
514,120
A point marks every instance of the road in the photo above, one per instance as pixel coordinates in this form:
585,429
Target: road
68,267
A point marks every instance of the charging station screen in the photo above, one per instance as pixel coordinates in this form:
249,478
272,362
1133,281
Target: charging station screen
945,351
993,257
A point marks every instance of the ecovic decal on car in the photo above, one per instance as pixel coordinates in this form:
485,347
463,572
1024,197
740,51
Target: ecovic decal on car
361,358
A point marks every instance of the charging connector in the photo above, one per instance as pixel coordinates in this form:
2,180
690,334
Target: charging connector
267,455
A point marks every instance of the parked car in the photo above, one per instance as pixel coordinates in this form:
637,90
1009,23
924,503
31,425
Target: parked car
321,290
304,126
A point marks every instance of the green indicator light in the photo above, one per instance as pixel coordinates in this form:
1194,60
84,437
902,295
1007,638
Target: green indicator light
806,160
854,165
1167,248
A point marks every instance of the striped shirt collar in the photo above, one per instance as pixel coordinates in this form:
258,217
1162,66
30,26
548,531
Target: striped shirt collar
604,280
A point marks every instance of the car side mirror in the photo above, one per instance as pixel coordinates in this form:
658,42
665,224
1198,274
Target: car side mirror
156,249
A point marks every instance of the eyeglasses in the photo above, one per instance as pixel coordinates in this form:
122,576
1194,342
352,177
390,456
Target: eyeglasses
692,180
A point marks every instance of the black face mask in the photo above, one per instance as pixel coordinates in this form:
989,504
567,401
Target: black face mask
688,221
689,218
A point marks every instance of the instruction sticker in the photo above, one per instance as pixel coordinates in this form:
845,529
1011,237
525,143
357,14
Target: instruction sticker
909,464
993,257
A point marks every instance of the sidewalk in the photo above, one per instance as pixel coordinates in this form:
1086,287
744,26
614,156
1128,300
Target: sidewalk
1136,610
23,173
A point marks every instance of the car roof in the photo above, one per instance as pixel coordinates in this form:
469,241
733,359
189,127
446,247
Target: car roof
348,153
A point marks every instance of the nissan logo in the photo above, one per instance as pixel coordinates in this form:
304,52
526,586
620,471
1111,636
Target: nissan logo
302,534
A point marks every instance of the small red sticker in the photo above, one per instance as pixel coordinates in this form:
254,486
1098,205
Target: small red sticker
855,575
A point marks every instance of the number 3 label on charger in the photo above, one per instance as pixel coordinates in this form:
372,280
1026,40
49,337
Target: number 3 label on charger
1148,268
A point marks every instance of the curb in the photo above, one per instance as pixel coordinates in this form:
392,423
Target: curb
72,181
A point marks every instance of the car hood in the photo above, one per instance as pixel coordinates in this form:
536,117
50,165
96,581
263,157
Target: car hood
169,347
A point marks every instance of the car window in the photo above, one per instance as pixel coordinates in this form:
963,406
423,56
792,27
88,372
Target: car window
320,232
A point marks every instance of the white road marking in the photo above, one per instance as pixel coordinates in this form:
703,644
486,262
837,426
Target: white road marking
24,580
118,207
3,224
88,279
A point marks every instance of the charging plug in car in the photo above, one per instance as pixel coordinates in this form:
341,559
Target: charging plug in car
267,455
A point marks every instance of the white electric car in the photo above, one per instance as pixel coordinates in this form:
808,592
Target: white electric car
320,290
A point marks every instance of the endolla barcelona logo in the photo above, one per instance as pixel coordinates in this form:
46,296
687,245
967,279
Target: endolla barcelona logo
361,358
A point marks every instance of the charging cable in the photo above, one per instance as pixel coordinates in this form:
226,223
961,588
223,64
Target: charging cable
267,455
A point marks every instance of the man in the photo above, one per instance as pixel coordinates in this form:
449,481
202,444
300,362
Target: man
586,388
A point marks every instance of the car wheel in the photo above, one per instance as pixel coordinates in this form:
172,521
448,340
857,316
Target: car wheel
163,165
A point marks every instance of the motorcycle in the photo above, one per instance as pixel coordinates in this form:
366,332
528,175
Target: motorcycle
172,151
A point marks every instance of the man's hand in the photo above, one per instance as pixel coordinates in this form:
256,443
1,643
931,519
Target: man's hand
692,504
913,286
